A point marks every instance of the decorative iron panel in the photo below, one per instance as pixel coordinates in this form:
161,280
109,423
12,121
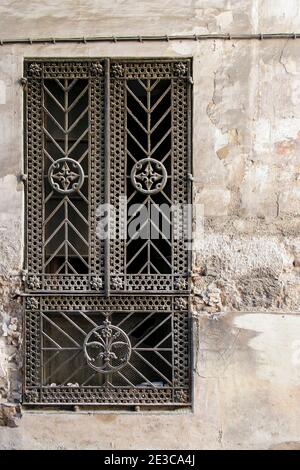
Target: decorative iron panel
150,191
65,168
96,330
96,351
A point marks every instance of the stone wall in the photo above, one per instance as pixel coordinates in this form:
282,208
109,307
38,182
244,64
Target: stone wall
246,152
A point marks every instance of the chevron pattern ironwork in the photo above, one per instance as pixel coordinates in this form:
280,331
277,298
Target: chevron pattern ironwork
66,135
150,335
149,156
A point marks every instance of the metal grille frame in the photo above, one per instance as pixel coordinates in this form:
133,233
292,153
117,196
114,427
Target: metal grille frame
178,74
38,71
107,288
177,392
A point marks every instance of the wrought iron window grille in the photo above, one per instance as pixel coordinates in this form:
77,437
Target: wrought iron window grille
107,318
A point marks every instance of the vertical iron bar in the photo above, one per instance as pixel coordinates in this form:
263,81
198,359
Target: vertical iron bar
192,357
41,353
172,228
25,143
107,174
25,219
66,103
190,228
125,208
189,166
148,152
89,167
172,345
43,184
66,236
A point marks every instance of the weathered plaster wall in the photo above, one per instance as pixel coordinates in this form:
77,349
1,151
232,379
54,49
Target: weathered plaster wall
246,261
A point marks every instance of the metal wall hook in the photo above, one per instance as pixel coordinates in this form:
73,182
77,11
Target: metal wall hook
23,81
23,177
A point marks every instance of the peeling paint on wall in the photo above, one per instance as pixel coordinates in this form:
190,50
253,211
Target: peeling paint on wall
276,345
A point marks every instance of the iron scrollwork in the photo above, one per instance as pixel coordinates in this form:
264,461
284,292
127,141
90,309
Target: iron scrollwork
149,176
66,175
107,348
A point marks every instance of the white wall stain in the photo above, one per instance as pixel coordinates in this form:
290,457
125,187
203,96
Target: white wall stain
275,346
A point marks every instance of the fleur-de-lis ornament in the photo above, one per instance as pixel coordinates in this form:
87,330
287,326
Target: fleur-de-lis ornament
107,348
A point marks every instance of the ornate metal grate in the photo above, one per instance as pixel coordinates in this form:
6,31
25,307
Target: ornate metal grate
104,132
98,350
65,166
148,134
150,112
